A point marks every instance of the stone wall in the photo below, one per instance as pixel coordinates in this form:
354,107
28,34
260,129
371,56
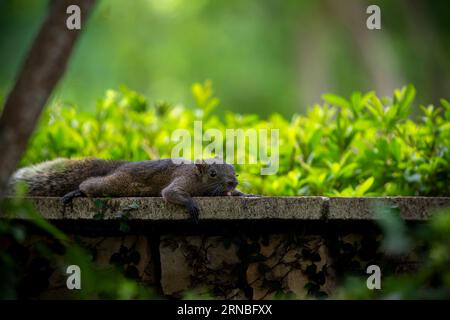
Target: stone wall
243,248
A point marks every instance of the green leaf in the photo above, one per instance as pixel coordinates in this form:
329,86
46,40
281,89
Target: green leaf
446,106
364,187
405,102
336,100
99,204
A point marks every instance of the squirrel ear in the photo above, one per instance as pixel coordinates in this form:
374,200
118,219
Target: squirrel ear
201,165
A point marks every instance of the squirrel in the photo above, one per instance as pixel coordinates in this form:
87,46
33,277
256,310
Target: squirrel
176,182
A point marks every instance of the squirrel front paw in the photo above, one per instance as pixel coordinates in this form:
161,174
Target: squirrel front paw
194,211
237,193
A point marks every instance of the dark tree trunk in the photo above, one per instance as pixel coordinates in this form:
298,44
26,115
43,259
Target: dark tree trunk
44,66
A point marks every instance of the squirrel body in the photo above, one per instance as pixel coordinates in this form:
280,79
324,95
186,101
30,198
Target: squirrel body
176,182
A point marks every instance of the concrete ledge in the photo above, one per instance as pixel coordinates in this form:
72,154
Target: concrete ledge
237,208
411,208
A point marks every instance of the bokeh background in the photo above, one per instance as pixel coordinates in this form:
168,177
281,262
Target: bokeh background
262,56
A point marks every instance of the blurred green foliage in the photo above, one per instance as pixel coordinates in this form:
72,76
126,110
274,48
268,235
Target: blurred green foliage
263,55
428,242
25,268
363,145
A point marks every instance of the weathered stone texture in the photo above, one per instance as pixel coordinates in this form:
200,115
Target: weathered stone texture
244,264
217,208
363,208
290,266
239,208
127,254
200,266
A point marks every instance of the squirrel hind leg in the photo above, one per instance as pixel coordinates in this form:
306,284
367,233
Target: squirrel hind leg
68,197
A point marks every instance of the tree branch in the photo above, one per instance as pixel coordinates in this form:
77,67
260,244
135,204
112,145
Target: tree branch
43,67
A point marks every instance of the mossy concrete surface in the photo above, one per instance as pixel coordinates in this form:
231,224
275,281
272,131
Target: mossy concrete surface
238,208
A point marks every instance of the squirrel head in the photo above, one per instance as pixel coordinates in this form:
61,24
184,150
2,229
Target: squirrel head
218,177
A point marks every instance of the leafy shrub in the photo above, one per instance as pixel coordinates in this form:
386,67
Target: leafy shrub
364,145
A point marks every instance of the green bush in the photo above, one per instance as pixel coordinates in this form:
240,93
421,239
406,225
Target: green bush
364,145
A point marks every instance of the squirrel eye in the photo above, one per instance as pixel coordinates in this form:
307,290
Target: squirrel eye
212,173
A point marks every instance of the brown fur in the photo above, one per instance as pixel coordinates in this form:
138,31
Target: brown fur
177,183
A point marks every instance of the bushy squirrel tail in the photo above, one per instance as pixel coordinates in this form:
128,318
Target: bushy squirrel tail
57,177
35,176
